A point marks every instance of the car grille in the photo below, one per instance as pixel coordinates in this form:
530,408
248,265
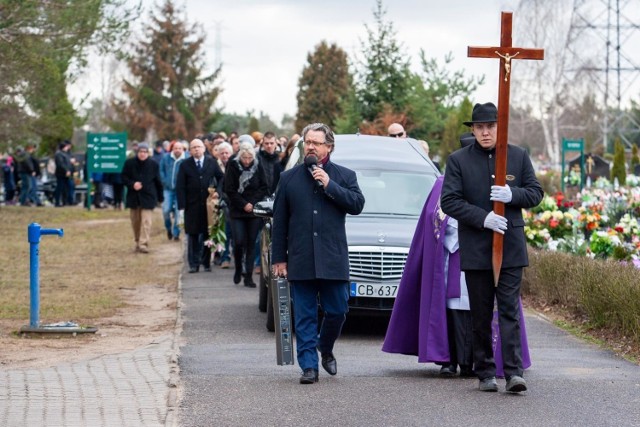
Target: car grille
376,263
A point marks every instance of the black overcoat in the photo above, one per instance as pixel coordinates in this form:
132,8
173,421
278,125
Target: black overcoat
148,174
255,190
465,196
192,190
309,222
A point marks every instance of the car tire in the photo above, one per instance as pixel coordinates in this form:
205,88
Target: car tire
262,294
271,327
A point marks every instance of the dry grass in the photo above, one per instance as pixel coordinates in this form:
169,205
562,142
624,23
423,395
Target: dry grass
598,298
83,274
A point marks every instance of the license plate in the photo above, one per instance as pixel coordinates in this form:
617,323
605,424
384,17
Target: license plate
373,290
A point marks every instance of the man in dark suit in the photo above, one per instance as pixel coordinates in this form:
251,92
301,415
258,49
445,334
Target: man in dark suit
309,246
195,175
468,194
141,175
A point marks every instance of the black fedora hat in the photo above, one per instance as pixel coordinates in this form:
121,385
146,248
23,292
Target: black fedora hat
483,113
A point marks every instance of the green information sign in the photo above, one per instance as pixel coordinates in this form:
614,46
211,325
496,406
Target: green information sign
573,145
106,152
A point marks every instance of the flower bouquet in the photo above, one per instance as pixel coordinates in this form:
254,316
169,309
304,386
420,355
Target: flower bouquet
216,221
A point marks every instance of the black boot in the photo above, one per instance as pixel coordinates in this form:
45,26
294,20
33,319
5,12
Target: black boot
237,276
248,281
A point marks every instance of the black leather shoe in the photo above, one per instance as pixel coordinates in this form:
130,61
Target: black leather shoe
207,269
248,281
448,370
309,376
466,371
193,269
237,277
329,364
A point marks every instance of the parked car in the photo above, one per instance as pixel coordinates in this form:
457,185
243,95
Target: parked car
396,177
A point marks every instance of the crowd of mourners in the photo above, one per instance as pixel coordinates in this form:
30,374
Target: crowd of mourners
215,177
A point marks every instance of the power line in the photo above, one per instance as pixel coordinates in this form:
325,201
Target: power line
609,27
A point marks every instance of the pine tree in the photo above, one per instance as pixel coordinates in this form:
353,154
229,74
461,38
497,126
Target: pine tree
43,47
618,169
383,75
453,128
254,124
323,86
169,96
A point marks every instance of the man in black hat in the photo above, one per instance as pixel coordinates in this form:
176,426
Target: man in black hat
468,194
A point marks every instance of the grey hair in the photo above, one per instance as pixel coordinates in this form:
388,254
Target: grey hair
328,133
245,147
226,145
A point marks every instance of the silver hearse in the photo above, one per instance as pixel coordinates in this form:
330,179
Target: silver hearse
396,176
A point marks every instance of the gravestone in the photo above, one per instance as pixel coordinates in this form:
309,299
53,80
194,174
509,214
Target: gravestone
594,166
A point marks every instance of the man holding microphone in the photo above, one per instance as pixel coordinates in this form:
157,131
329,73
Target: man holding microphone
309,246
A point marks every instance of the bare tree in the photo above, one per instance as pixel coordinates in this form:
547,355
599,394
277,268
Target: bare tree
564,79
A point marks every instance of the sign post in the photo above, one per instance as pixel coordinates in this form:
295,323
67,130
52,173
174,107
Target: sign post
106,152
573,145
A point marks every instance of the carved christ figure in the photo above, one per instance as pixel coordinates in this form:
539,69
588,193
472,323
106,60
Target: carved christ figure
507,63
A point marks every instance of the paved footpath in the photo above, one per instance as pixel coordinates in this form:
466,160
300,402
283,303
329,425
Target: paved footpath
127,389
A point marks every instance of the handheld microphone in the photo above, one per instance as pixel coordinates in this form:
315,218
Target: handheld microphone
311,162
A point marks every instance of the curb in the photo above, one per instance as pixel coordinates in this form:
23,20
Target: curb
173,396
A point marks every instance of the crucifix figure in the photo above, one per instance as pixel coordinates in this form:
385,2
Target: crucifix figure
507,63
505,52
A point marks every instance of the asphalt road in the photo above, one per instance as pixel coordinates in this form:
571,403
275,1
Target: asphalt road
229,376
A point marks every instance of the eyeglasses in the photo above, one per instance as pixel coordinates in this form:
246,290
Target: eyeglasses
397,135
314,143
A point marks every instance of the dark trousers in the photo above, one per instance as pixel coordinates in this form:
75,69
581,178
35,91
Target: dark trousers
245,231
460,334
482,293
63,193
118,190
333,296
197,252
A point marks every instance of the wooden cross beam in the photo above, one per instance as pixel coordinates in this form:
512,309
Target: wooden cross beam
506,53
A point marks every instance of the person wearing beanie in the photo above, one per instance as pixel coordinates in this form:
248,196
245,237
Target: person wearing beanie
141,175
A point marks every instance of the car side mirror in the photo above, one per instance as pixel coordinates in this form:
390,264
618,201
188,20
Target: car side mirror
264,208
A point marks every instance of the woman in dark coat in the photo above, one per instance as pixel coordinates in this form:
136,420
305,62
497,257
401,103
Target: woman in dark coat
244,185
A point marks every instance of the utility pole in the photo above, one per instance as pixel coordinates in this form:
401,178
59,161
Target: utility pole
611,28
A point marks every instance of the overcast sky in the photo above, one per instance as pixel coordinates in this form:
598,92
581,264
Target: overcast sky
265,43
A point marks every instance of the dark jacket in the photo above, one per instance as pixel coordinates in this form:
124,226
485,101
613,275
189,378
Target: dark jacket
272,169
192,190
148,174
465,196
309,222
63,163
24,163
255,190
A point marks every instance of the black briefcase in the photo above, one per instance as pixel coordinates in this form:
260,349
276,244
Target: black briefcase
281,299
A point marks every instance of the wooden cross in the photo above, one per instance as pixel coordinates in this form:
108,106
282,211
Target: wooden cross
506,53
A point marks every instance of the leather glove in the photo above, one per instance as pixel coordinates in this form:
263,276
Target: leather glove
501,194
495,222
